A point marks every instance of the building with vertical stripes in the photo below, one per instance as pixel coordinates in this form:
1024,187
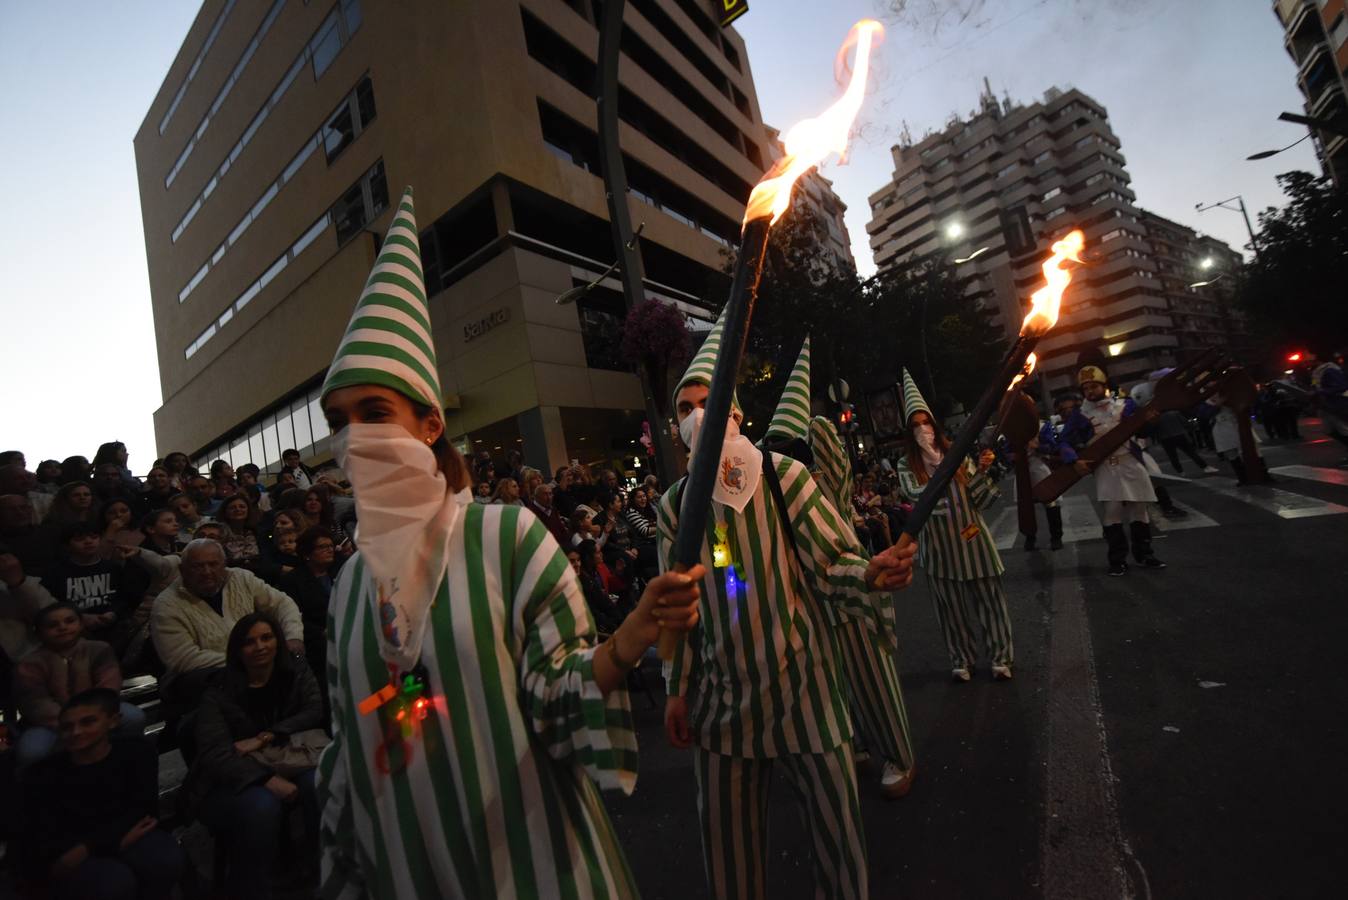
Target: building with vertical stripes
1315,35
283,131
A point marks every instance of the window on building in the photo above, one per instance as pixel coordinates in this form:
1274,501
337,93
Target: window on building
1041,157
352,116
326,44
1053,193
361,203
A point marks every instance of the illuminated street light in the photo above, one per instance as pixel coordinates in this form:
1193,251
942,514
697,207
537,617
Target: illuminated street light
1207,263
1199,284
954,230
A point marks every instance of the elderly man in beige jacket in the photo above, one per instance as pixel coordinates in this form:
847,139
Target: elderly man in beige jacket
192,618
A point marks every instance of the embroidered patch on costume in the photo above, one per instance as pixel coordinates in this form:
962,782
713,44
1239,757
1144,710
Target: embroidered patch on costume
969,532
732,475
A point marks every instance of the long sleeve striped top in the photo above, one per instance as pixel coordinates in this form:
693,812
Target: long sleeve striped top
956,543
763,661
498,798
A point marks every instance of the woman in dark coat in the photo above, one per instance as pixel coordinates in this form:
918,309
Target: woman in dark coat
264,700
310,586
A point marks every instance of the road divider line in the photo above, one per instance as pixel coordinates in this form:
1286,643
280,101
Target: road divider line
1283,504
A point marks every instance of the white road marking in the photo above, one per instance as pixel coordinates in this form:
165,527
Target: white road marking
1314,473
1194,519
1079,523
1284,504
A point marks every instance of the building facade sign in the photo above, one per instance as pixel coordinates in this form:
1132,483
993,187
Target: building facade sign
474,330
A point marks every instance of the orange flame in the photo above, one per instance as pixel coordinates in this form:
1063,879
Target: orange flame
1026,372
1044,302
809,141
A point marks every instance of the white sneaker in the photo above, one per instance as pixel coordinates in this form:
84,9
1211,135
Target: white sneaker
960,674
1209,470
895,782
1001,673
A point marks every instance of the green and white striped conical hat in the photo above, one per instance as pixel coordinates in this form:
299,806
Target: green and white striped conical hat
792,418
388,340
832,468
912,399
703,366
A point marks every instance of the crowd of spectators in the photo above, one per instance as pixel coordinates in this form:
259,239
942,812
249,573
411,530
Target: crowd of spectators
213,584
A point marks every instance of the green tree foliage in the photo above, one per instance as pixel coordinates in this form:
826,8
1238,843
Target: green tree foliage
1296,291
863,331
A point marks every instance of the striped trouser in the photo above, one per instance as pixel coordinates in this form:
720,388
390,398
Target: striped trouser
957,603
874,694
732,798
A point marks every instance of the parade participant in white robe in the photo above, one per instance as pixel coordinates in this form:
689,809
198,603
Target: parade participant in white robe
473,712
769,698
1122,482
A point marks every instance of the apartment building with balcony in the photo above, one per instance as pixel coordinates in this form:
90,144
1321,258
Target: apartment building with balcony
285,130
1315,35
993,191
814,193
1198,276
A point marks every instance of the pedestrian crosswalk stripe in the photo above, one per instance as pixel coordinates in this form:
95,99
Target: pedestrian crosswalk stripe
1079,523
1194,519
1283,504
1314,473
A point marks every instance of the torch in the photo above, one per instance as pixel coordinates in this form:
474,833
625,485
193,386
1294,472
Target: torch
807,144
1019,362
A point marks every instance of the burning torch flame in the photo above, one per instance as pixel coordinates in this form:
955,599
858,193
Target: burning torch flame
1025,372
1044,302
809,141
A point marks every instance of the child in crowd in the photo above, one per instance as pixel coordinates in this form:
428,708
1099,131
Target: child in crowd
64,665
89,812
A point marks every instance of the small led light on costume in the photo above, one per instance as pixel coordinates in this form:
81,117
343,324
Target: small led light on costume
403,705
720,551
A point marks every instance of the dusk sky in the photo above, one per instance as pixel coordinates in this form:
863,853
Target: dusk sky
1192,88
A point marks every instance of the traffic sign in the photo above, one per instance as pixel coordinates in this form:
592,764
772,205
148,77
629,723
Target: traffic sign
727,11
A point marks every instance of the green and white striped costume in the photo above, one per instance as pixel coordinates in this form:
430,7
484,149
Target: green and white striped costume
497,799
867,648
767,680
963,568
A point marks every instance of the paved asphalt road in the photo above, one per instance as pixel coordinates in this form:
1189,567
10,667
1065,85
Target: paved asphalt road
1169,734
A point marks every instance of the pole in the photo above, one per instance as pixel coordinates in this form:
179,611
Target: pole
695,506
627,250
1254,243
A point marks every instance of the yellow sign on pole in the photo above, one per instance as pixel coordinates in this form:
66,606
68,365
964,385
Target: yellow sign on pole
727,11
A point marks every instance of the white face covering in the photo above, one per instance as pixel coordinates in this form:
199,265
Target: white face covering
925,435
406,519
739,468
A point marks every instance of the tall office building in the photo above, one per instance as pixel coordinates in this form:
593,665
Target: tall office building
1315,34
1198,275
284,131
994,190
814,193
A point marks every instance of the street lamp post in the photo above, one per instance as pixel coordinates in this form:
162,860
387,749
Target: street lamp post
628,253
1240,208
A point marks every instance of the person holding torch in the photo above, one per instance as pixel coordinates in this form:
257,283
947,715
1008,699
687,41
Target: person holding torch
473,710
769,696
964,570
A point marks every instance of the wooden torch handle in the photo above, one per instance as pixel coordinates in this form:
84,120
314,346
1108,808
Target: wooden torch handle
669,640
883,581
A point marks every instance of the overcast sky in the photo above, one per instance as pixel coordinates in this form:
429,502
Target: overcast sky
1191,87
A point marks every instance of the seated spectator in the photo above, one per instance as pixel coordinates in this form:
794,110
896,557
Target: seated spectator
118,523
191,619
248,477
189,516
74,502
292,503
210,531
341,497
48,476
12,457
507,493
573,557
158,491
89,812
607,614
279,558
179,469
161,532
76,469
114,453
583,528
318,510
285,481
239,519
529,481
607,487
15,479
21,596
94,585
613,522
564,493
63,665
617,569
652,486
640,515
482,492
258,737
292,465
310,586
202,492
221,471
32,544
541,506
